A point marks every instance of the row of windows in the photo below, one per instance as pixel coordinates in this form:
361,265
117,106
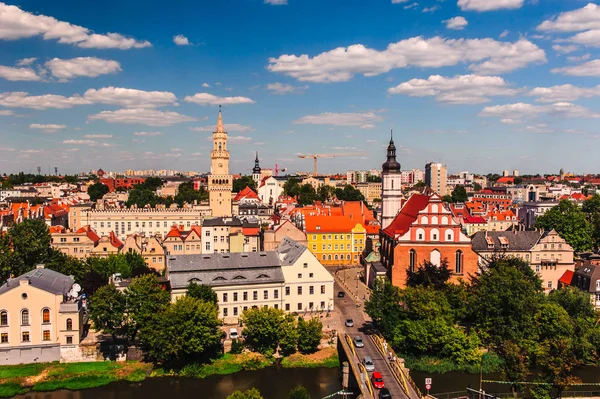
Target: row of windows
330,236
299,307
328,247
25,337
25,318
265,294
434,235
188,223
435,258
338,257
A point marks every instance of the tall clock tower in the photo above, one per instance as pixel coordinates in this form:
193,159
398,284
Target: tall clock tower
220,182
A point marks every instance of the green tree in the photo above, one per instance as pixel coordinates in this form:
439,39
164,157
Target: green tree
145,299
97,191
151,183
591,208
429,275
67,265
374,179
448,199
242,183
325,192
291,187
477,187
262,329
349,193
288,337
307,194
251,393
309,335
186,193
570,223
107,310
518,180
202,292
188,330
384,307
459,194
26,245
299,392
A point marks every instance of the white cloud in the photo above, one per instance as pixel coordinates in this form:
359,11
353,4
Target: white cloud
228,127
18,74
590,68
457,23
510,121
363,120
578,20
281,88
505,33
6,112
412,5
19,99
541,128
181,40
18,24
48,128
32,151
147,134
205,84
90,143
130,97
461,89
489,5
238,139
565,49
98,136
210,99
399,1
431,9
588,38
563,93
486,56
276,2
142,116
580,58
26,61
82,66
521,111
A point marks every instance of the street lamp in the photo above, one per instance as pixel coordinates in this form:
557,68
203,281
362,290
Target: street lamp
357,278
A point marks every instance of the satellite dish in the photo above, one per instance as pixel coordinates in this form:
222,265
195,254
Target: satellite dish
76,288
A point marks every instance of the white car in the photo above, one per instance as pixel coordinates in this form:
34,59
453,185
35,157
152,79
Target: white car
358,342
369,365
233,333
349,323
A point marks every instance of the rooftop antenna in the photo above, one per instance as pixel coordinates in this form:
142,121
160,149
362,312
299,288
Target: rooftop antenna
56,170
39,170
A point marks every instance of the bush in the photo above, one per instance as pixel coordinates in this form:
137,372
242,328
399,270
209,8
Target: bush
299,392
237,347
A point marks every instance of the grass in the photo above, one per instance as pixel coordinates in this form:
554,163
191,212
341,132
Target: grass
324,358
11,389
227,364
491,363
76,383
21,370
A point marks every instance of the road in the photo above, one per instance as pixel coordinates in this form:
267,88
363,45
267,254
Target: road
348,310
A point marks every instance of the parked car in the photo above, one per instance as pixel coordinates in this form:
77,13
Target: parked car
385,394
377,380
233,333
368,362
341,294
349,323
358,342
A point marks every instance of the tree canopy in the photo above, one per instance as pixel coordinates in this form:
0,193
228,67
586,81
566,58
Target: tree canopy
251,393
242,183
202,292
459,194
570,222
97,191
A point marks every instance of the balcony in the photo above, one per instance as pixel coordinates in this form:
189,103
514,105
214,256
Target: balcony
69,307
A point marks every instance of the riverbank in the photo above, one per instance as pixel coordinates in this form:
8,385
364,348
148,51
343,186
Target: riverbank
19,379
491,363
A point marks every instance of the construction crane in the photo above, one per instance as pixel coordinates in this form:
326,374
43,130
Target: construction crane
316,156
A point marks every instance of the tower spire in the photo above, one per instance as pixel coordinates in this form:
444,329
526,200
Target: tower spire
391,135
220,122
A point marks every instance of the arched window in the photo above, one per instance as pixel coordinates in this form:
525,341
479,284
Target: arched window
335,257
424,220
434,220
434,208
412,259
324,256
420,234
328,257
459,261
4,318
434,235
69,324
444,220
25,317
392,181
449,236
435,257
46,316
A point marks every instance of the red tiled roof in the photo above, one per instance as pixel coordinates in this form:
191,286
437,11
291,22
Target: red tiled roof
507,179
87,229
114,240
246,193
328,224
263,181
407,216
567,277
57,229
174,232
251,231
474,219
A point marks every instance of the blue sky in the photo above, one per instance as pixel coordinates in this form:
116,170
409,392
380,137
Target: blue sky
482,85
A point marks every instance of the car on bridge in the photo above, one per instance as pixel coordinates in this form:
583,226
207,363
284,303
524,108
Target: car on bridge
385,394
349,323
368,362
341,294
358,342
377,380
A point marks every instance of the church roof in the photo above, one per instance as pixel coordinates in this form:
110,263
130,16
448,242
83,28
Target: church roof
407,215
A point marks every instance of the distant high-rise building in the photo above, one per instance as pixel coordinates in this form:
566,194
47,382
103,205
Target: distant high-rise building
435,177
515,173
391,188
505,173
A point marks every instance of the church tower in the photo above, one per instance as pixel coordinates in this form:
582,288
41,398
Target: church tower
256,171
220,182
391,188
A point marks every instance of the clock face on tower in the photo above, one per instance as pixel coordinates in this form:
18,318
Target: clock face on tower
220,165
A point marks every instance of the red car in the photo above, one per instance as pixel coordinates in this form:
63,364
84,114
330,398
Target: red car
377,380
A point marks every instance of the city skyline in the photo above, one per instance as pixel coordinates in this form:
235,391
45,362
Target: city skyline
81,89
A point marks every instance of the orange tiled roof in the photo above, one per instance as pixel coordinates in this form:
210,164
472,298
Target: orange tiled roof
246,193
329,224
114,240
174,232
251,231
408,214
87,229
57,229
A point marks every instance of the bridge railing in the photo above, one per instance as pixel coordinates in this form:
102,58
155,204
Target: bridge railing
357,367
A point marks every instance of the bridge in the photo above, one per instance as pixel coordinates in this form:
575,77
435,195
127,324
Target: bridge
395,376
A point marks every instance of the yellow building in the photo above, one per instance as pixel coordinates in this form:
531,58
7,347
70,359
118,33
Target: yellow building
335,240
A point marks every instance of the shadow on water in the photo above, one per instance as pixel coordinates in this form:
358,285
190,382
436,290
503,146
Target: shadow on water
273,383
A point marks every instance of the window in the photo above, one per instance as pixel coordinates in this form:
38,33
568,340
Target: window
335,247
299,290
235,311
549,284
311,305
4,318
324,257
310,275
225,312
224,297
245,296
287,290
69,340
69,324
412,260
235,297
324,247
46,316
3,338
311,290
265,294
314,237
276,294
287,307
255,295
276,306
459,260
25,317
46,335
435,257
208,245
25,336
322,289
305,265
537,268
299,275
300,306
322,304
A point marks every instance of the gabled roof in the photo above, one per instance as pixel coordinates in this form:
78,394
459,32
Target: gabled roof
44,279
114,240
567,277
246,193
174,232
407,215
251,231
329,224
57,229
517,240
87,229
290,250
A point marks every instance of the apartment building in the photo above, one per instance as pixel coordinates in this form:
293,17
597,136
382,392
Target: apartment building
149,248
335,240
230,234
183,242
435,177
78,244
